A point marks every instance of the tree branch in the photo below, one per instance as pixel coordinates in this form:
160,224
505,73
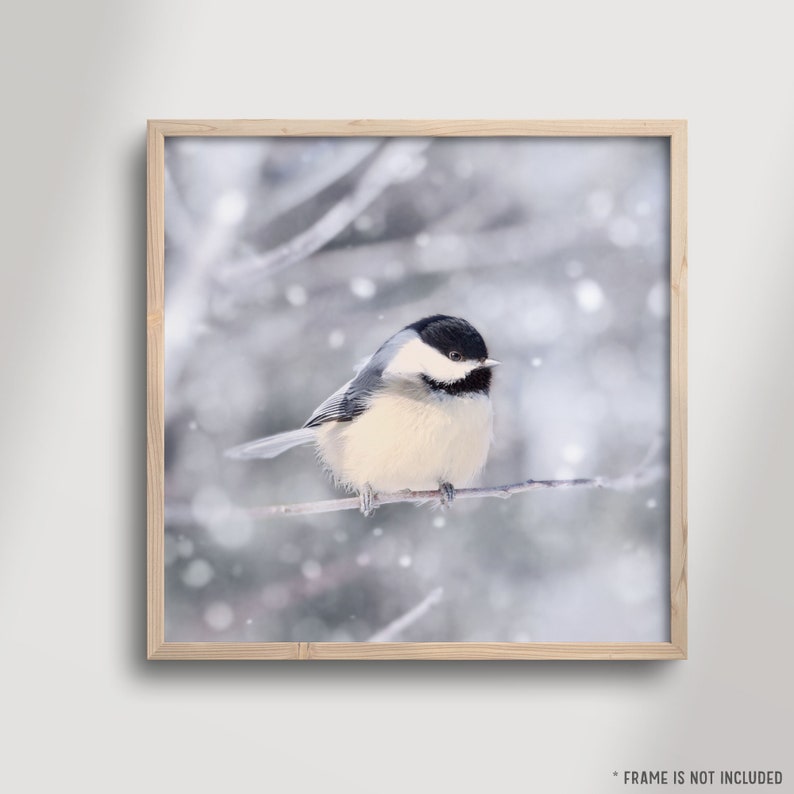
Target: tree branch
646,473
640,477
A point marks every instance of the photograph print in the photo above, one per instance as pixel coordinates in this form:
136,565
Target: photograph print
416,389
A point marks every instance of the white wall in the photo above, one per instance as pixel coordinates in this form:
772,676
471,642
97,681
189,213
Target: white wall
80,706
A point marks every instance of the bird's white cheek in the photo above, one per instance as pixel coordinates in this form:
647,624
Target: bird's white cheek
417,358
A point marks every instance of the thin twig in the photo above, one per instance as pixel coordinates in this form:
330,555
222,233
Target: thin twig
644,475
390,632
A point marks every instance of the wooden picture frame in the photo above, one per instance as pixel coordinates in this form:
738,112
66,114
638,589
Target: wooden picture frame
157,646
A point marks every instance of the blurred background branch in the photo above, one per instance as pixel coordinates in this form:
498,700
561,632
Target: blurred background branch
398,161
391,632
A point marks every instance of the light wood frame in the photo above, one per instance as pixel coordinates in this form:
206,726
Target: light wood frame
158,648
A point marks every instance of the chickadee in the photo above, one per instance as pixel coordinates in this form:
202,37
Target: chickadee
417,416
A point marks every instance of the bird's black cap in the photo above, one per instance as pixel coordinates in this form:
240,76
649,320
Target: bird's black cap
446,334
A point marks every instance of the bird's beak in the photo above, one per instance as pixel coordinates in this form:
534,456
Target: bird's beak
489,362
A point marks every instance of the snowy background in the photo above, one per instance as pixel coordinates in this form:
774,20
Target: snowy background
290,260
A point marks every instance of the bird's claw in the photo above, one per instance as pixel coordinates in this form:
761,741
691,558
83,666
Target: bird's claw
447,490
367,500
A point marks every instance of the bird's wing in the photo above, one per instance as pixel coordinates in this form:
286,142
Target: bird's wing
353,398
349,401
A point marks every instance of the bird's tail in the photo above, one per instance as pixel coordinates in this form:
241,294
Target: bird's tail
272,446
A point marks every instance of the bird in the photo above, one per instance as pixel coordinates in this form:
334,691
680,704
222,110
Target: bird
417,416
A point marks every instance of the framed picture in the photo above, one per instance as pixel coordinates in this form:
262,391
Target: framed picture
417,390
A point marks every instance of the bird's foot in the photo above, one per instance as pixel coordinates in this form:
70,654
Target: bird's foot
367,499
447,490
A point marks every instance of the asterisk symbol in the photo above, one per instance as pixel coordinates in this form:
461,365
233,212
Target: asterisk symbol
615,774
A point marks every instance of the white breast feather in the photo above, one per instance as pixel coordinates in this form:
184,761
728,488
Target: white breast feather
402,443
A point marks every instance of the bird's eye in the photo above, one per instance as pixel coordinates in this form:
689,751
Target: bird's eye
455,356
